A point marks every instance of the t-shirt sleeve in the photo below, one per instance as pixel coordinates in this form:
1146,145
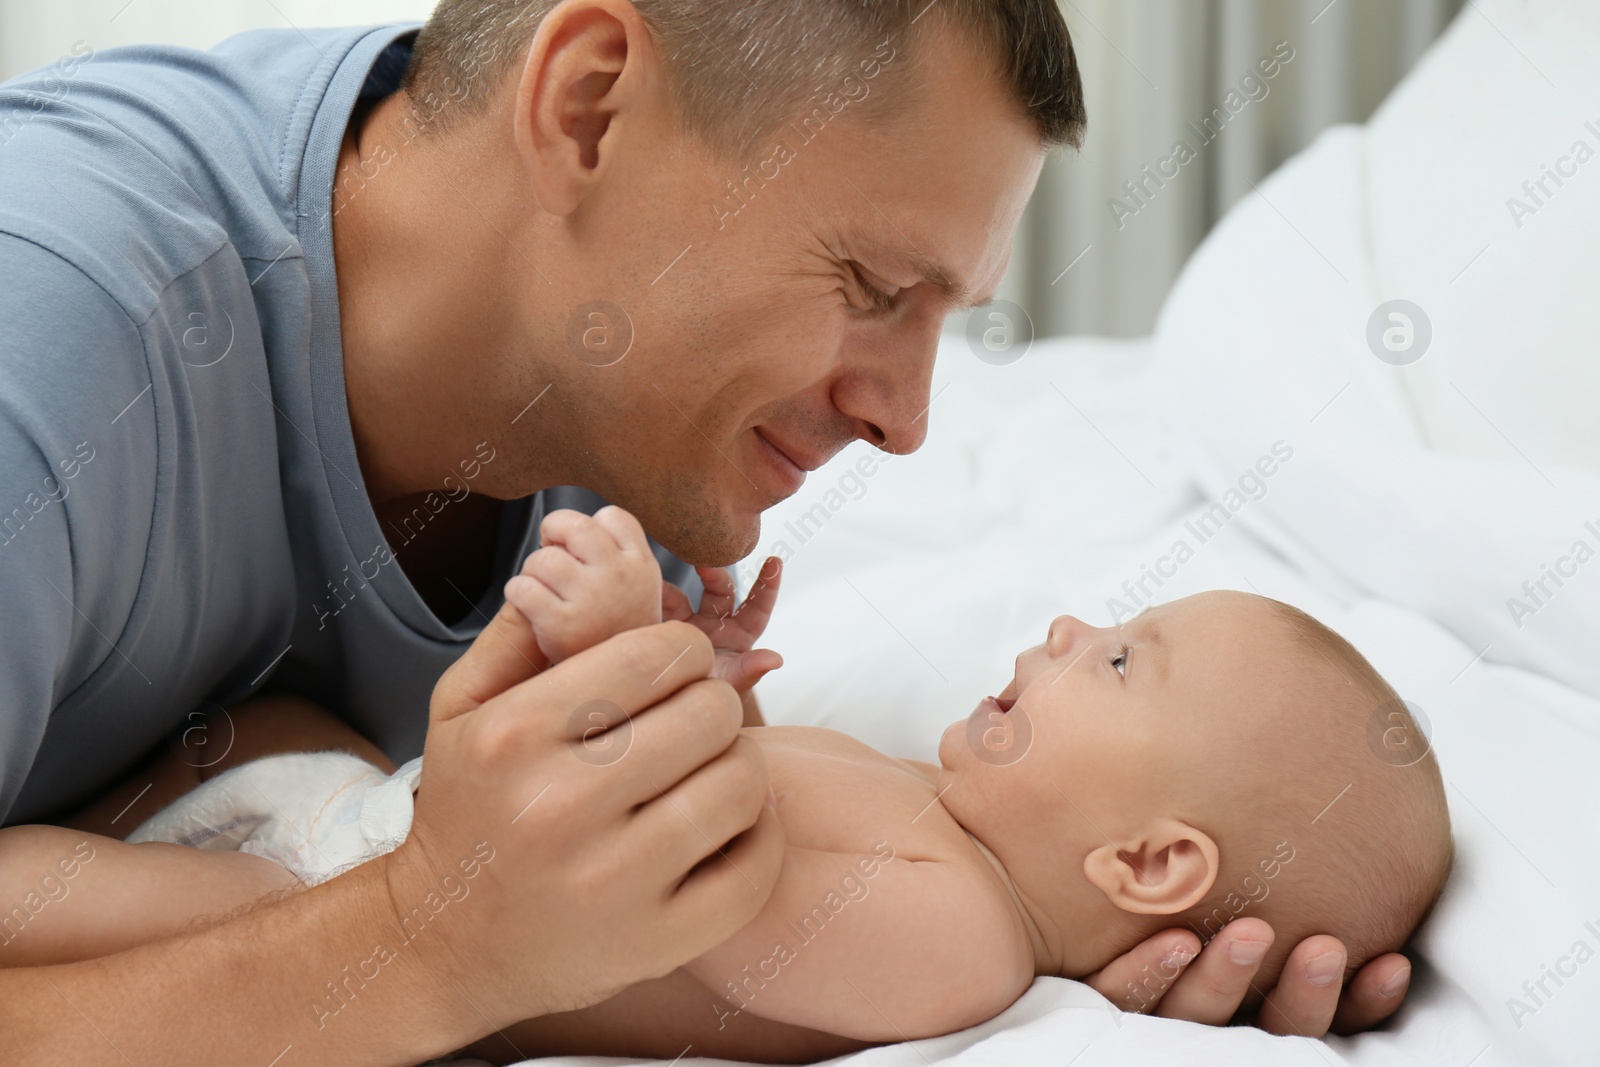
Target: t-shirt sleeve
76,489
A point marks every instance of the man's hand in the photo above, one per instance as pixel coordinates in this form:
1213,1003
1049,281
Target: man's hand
733,632
1158,977
592,578
610,865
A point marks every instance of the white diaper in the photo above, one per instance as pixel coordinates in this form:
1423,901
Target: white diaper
316,813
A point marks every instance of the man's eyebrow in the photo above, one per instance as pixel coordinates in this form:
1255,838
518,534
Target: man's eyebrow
957,292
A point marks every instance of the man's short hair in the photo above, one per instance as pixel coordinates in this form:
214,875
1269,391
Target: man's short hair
740,69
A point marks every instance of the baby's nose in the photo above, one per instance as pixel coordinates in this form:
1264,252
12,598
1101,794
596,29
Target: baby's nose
1067,632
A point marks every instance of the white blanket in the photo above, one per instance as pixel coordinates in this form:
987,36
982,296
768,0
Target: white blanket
1422,514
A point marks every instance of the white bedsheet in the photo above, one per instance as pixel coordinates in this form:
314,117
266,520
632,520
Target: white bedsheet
1416,504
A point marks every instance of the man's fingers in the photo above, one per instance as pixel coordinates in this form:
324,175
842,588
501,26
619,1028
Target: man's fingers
1307,994
1216,984
675,739
631,672
692,819
503,655
730,888
1376,992
1137,980
587,539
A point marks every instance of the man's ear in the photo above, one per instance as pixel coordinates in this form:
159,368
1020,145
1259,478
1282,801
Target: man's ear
586,59
1166,870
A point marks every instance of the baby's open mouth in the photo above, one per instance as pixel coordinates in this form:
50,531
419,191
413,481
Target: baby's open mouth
1005,703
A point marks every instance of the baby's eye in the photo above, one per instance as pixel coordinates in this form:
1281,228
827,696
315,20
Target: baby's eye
1120,661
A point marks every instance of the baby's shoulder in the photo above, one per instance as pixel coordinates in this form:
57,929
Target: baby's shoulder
838,794
810,743
818,739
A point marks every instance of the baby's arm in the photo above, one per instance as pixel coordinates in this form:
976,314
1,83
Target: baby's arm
872,948
850,951
594,577
70,895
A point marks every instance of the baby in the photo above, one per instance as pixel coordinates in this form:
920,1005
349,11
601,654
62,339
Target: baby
1217,756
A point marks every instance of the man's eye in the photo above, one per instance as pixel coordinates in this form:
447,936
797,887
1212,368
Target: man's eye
879,299
1119,662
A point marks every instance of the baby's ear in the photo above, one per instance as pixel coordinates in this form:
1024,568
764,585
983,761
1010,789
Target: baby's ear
1167,869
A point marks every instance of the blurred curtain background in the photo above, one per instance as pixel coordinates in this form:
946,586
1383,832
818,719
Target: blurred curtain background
1154,72
1103,238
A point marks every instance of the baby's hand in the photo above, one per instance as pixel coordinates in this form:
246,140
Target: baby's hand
591,579
733,633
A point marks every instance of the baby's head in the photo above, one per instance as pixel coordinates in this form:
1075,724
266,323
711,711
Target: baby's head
1217,757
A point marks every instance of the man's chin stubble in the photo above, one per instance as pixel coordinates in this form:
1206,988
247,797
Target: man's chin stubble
694,527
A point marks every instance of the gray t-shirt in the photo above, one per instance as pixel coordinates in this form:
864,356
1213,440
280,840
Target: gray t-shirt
182,516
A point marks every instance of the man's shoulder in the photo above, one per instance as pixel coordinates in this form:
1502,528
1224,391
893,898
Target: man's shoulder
136,165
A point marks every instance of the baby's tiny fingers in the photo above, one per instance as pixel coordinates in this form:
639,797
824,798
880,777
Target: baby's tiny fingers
579,534
764,593
718,583
624,528
744,670
674,604
555,567
530,596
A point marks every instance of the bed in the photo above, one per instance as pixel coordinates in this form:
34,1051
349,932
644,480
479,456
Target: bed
1423,498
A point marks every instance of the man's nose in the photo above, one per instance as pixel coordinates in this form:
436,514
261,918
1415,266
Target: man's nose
885,390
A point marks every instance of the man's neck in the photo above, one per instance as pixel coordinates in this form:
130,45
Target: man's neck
423,254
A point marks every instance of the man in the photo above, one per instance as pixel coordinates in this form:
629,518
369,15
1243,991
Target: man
293,331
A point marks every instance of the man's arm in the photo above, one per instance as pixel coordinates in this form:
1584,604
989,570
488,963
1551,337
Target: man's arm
531,882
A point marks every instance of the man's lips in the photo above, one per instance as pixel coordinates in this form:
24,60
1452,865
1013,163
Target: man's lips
787,462
795,455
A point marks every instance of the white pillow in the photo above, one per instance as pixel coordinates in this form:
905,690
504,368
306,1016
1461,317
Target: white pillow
1457,484
1457,222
